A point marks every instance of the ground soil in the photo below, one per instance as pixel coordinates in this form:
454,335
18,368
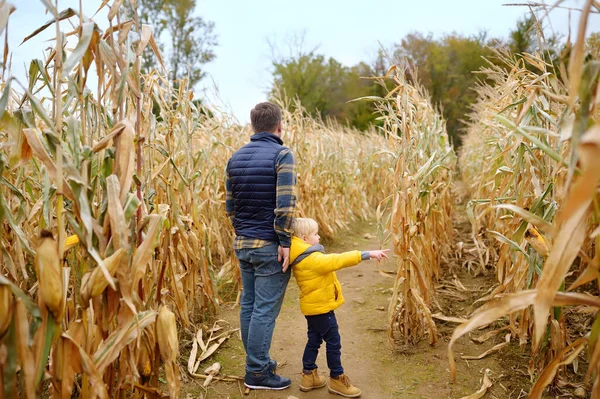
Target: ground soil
372,363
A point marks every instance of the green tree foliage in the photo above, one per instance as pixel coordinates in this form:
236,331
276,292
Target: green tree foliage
326,88
445,68
314,80
523,39
187,40
192,40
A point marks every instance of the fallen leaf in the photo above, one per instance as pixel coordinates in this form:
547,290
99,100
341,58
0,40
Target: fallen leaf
487,382
493,349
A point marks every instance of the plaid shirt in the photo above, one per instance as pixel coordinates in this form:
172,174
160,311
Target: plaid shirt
285,203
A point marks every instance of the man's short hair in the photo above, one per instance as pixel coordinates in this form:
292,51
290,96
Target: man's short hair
304,227
265,117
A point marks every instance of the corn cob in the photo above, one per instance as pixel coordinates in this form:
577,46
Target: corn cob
49,274
6,304
166,332
537,241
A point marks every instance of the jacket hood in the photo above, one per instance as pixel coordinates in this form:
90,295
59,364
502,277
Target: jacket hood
301,249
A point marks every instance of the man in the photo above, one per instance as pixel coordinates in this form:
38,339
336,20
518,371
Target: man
261,201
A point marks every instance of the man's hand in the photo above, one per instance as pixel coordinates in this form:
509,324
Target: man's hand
378,254
283,256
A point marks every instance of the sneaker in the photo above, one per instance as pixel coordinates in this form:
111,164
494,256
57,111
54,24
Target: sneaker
266,380
312,380
341,385
272,365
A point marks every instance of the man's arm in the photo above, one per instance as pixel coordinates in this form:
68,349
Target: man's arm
285,202
228,196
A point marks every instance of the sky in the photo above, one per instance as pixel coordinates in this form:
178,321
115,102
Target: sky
348,30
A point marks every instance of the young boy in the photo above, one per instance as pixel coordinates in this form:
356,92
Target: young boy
320,295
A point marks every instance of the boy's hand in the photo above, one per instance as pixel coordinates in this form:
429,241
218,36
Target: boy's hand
378,254
283,256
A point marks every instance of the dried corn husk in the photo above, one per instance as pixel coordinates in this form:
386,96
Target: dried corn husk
146,350
49,274
6,308
166,334
93,283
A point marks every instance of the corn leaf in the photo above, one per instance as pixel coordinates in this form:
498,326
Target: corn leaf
87,31
68,13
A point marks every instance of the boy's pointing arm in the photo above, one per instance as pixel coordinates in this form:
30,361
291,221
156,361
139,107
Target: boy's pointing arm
327,263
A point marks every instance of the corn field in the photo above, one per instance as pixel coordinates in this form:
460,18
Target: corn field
530,161
114,239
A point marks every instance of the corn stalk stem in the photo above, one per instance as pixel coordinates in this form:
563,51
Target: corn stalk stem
59,151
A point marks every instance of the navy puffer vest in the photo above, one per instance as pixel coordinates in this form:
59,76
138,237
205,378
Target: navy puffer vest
254,182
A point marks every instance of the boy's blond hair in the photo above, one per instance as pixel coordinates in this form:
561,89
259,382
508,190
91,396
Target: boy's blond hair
304,227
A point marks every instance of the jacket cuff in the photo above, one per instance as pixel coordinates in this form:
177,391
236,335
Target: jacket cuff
285,242
364,255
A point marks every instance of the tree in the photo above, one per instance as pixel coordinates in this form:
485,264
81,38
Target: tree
192,40
361,114
189,39
523,39
318,83
445,68
325,87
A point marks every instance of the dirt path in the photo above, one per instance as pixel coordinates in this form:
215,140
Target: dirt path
368,359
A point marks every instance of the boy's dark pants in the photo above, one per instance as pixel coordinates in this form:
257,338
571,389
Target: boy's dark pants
321,328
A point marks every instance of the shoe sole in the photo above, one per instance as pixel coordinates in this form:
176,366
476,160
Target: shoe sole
256,387
306,389
343,394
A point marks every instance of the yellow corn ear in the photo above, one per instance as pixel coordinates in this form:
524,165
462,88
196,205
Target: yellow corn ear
146,369
6,305
71,241
144,366
49,274
537,241
94,283
166,332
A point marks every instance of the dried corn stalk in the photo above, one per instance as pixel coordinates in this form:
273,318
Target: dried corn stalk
134,199
530,160
418,214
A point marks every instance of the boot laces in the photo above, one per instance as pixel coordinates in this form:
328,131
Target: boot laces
345,380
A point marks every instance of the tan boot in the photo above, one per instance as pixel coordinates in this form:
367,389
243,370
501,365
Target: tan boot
342,386
312,381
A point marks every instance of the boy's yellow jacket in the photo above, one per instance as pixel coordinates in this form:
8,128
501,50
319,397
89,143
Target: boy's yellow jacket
320,290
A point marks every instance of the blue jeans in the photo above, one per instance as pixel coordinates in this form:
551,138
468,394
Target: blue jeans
323,327
264,286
